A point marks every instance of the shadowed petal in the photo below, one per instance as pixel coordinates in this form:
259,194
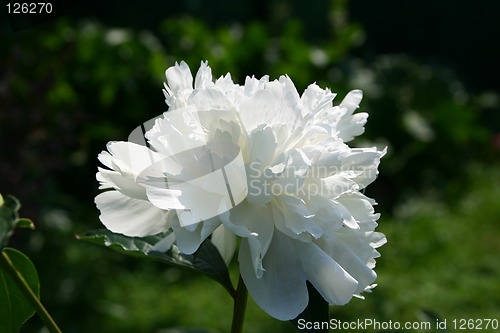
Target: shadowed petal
282,290
225,241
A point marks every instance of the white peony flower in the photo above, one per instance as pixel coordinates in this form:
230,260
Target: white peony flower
261,163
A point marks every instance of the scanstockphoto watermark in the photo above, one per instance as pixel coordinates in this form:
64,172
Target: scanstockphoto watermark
304,181
377,325
364,324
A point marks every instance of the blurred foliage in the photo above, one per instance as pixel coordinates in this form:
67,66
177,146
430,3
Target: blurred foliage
433,127
68,88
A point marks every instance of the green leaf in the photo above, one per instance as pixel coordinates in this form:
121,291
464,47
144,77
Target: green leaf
315,312
8,218
206,260
14,308
25,223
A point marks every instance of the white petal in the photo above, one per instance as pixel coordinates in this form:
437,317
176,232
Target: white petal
178,130
335,284
188,240
209,100
164,198
349,125
343,254
351,101
277,104
226,83
135,158
179,77
353,127
179,85
363,163
225,241
164,244
129,216
252,85
282,290
337,184
105,158
362,243
259,109
297,217
315,99
326,213
203,77
261,145
255,223
125,185
361,209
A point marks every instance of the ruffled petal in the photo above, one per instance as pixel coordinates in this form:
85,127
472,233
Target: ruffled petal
364,162
132,158
177,131
297,217
333,282
125,185
179,85
277,104
315,99
130,216
361,208
350,261
349,126
179,78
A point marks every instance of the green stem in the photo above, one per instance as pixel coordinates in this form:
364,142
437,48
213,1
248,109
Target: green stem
21,283
240,304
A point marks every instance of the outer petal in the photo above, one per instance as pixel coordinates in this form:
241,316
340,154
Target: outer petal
129,216
130,158
282,290
190,238
362,243
350,261
289,263
334,283
361,208
255,224
225,241
349,125
364,162
351,101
